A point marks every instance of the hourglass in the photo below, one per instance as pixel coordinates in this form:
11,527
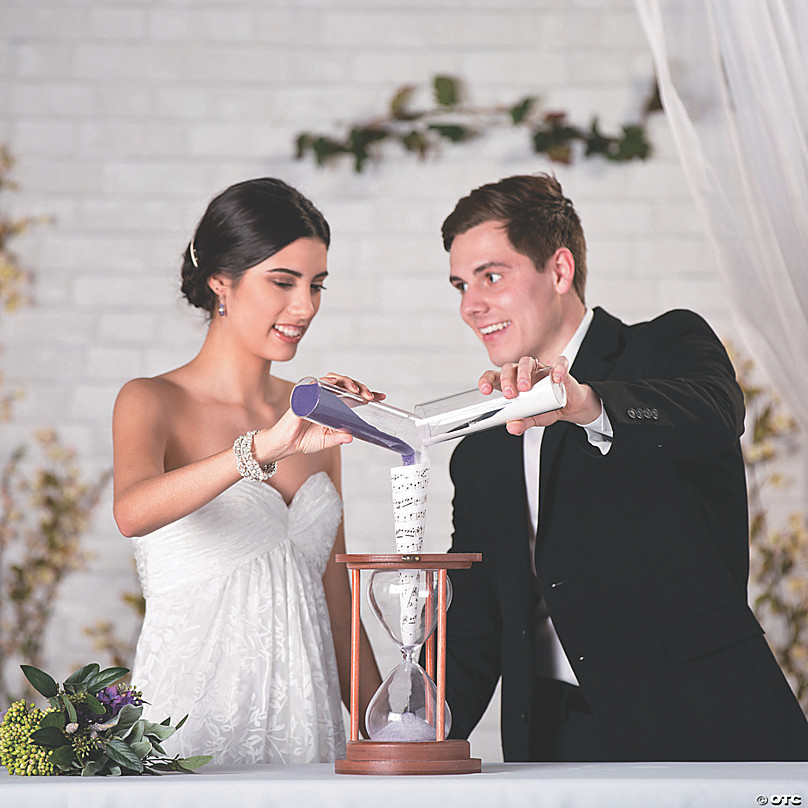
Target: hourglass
408,718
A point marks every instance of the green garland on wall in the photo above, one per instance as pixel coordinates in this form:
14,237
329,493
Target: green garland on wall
451,120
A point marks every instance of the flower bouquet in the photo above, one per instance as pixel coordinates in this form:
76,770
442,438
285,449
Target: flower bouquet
93,726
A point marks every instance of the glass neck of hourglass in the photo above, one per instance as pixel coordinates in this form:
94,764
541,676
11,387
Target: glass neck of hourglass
410,653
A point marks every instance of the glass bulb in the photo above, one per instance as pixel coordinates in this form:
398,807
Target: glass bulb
406,604
404,707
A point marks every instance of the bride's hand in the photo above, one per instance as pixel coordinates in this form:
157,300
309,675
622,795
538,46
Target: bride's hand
353,386
293,435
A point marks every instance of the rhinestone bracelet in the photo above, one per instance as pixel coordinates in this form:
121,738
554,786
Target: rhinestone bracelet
248,466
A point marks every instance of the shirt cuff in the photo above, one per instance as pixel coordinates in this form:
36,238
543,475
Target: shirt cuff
599,432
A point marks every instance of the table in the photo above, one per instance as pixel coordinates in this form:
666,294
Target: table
544,785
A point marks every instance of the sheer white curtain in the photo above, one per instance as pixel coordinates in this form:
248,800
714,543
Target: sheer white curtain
733,77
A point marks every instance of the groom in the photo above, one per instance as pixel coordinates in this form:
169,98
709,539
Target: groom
611,600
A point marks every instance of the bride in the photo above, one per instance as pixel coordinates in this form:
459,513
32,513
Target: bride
234,503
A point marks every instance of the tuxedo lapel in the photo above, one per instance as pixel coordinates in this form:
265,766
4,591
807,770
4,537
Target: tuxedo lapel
595,359
599,350
507,480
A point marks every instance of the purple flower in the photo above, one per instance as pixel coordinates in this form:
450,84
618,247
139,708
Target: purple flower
114,697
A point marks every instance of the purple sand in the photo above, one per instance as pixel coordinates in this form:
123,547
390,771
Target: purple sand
324,407
408,459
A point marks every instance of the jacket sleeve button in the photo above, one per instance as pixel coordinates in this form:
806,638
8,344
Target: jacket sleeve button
631,412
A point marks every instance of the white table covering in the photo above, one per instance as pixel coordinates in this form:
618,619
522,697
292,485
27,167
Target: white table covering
544,785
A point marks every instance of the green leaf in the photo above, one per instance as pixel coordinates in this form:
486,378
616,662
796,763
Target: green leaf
51,737
447,91
93,767
105,678
453,132
163,766
399,104
194,762
126,718
158,731
654,101
68,706
141,748
415,141
82,675
56,719
136,733
41,681
120,752
360,139
95,705
521,110
554,138
114,771
302,145
181,721
325,148
63,756
597,142
633,146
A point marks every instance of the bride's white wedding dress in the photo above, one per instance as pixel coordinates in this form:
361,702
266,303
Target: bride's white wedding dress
237,631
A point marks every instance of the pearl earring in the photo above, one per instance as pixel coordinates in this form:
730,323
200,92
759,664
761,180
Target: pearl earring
222,309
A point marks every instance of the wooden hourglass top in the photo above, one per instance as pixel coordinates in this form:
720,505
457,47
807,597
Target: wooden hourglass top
413,561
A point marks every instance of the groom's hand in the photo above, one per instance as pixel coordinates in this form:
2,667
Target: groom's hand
583,403
514,377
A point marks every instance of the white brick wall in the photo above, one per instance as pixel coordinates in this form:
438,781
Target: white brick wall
127,117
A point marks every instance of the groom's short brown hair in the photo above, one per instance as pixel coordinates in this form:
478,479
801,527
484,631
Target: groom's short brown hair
536,216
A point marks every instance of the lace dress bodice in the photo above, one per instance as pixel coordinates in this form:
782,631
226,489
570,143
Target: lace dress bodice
237,632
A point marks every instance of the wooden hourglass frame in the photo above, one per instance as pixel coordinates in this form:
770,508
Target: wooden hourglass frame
440,756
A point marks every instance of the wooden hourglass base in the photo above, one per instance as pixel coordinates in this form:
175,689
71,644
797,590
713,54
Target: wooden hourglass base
413,757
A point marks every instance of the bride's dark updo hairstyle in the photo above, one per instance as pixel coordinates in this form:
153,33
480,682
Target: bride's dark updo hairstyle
242,227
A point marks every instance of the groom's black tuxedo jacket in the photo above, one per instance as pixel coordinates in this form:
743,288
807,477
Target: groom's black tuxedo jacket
642,557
